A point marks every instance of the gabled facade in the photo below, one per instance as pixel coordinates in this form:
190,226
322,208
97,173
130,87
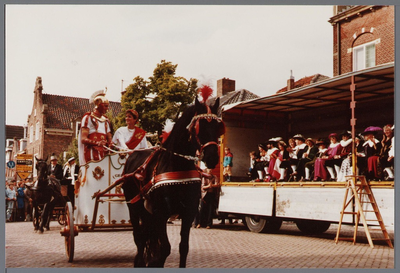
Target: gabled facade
55,120
15,144
363,37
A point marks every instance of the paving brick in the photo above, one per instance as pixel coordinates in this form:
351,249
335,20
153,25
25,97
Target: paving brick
223,246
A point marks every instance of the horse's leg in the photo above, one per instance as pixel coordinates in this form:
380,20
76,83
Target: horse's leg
184,244
50,207
43,218
187,217
160,242
139,235
36,216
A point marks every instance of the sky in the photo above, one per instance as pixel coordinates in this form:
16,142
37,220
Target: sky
79,49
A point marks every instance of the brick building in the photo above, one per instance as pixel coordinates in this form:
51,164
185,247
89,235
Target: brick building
363,37
55,120
15,144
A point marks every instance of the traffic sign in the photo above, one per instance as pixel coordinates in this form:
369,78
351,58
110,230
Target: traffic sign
24,165
11,164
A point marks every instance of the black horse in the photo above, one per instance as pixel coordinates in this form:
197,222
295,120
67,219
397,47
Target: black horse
45,193
164,181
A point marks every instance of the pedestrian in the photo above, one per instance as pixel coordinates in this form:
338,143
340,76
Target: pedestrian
208,203
27,204
228,164
21,202
11,197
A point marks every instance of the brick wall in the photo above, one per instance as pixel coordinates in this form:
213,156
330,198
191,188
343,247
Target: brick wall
371,25
44,144
224,86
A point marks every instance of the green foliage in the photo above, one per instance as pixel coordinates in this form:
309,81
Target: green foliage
72,151
162,97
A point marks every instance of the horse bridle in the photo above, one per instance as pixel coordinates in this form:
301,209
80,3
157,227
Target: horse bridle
195,123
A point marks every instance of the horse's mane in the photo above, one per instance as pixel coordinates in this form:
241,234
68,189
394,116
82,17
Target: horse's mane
179,134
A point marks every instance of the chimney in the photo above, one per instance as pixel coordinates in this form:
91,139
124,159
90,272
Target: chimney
290,82
224,86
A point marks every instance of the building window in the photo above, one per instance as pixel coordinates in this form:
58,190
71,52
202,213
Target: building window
364,56
77,127
31,134
37,131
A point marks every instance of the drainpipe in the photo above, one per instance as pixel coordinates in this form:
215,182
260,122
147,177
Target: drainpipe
339,48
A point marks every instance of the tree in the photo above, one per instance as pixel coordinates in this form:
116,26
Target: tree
163,97
72,151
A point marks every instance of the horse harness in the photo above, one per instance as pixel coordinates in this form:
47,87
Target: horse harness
177,177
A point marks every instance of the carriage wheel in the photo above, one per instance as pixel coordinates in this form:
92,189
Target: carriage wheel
61,219
69,235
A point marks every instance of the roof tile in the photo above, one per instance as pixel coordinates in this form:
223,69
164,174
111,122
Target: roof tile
62,110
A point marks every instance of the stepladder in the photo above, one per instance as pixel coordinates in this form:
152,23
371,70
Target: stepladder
360,202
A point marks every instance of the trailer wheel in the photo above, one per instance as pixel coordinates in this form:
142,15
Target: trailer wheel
261,224
312,226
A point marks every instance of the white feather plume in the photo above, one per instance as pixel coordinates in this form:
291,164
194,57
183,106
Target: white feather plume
95,94
169,124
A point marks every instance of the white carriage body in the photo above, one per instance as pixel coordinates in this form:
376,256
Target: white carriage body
97,176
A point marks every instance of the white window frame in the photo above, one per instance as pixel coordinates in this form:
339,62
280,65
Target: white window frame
363,50
37,132
31,134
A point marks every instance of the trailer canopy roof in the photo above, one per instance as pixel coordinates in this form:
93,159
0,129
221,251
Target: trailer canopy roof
372,83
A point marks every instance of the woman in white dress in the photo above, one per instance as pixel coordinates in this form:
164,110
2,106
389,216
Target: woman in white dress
130,137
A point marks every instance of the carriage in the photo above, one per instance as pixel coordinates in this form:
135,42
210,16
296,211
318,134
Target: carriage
99,204
142,190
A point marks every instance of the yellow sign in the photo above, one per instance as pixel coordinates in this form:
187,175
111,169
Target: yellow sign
24,165
24,176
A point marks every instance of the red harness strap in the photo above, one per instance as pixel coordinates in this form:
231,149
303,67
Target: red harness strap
163,177
176,175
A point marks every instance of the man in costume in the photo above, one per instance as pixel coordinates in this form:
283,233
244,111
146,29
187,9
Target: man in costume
71,171
95,131
130,137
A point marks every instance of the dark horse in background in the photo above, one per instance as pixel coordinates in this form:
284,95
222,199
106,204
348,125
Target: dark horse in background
47,193
164,181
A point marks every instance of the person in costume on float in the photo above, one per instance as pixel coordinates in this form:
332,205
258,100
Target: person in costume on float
96,131
130,137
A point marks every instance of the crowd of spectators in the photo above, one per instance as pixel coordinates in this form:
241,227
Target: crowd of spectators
18,206
325,159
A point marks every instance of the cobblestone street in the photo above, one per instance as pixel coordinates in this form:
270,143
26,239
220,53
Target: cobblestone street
224,246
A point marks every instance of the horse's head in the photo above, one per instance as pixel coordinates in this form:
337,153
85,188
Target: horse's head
205,128
41,167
